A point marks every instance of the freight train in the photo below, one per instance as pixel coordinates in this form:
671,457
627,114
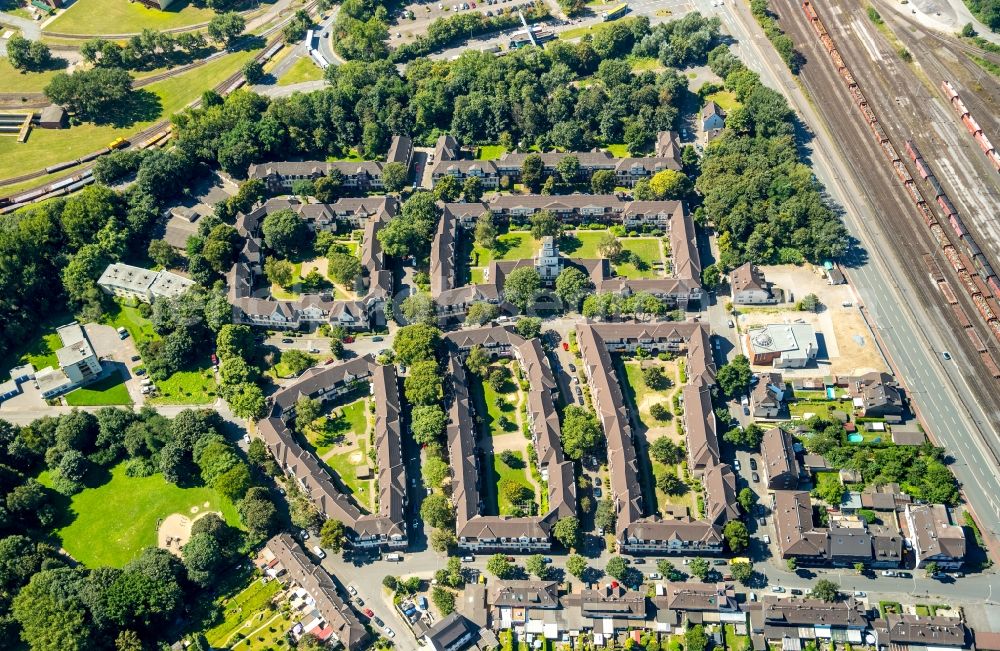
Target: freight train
983,286
970,123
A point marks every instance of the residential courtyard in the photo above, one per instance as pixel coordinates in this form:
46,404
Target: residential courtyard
342,440
640,398
502,440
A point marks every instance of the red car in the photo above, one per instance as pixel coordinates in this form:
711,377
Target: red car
368,613
565,345
215,360
348,339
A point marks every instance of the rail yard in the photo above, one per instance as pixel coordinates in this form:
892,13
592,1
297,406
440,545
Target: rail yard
898,104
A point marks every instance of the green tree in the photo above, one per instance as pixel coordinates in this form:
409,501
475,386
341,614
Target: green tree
536,566
544,223
669,184
655,378
605,517
481,312
486,230
423,384
92,94
333,535
416,342
499,566
576,565
306,411
419,308
472,189
736,536
521,286
394,176
202,559
700,568
581,433
528,327
567,532
442,540
226,27
665,451
51,614
253,71
568,168
603,182
747,498
344,268
831,492
670,483
437,511
28,55
741,571
710,276
695,638
734,377
610,247
285,233
616,567
572,285
447,189
247,401
531,172
792,564
478,361
859,568
257,512
444,600
428,422
162,254
327,188
750,436
661,412
436,472
296,361
931,568
826,590
809,303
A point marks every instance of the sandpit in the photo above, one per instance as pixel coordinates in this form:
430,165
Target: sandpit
175,530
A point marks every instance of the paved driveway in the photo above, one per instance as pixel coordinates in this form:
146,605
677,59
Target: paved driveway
117,351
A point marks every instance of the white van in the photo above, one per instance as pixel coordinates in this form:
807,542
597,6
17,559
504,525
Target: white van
316,549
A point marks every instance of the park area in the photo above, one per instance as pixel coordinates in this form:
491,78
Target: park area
124,514
112,17
644,399
341,440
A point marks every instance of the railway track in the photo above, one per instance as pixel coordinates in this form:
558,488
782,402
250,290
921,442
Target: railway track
893,207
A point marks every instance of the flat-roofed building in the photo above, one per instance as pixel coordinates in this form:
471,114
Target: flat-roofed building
782,345
127,281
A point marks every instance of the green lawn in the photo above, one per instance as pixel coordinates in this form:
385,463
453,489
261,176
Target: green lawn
641,64
328,430
127,316
49,146
13,80
109,391
642,394
113,522
578,32
502,473
648,251
189,387
724,98
490,152
824,478
247,610
302,70
618,150
40,350
487,408
346,471
117,17
735,642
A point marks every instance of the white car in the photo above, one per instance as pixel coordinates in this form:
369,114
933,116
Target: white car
777,589
888,573
316,549
389,632
352,590
860,594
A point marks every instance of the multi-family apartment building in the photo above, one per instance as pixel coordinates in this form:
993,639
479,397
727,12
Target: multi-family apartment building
780,465
474,530
255,306
933,536
130,282
636,530
628,171
386,527
322,614
359,176
682,289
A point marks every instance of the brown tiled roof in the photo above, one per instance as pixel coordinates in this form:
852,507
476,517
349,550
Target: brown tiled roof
932,531
921,631
699,422
777,454
795,612
700,597
314,580
796,535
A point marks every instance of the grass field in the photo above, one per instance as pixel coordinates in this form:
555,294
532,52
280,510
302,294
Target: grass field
578,32
510,246
724,98
302,70
486,397
346,470
13,80
646,248
618,150
109,391
115,17
139,327
40,350
246,611
49,146
490,152
328,430
503,473
189,387
113,522
641,64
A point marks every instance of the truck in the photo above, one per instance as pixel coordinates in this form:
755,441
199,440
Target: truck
394,558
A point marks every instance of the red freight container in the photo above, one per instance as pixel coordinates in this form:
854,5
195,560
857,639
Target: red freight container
970,124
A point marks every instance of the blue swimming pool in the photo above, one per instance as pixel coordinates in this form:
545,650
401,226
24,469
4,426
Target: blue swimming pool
855,438
830,393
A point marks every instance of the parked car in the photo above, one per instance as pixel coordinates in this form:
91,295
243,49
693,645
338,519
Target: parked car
655,576
888,573
468,559
565,345
378,338
316,549
352,590
368,613
796,591
359,601
730,323
767,539
860,594
136,358
755,476
122,333
598,492
286,341
571,367
777,589
598,481
753,463
719,561
904,575
389,632
736,465
140,371
511,559
378,621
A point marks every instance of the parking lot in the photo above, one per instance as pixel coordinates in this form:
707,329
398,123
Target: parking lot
424,13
